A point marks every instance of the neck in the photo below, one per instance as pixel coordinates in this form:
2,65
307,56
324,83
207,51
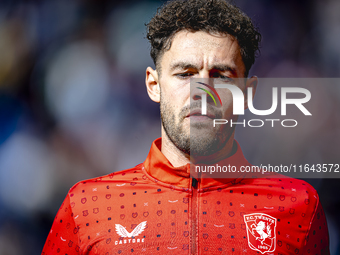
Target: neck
178,158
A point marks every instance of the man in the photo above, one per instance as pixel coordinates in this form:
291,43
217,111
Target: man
158,207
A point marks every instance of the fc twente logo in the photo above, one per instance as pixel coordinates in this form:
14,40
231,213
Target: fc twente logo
261,232
124,233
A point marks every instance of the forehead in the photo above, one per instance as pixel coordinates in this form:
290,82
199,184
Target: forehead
204,50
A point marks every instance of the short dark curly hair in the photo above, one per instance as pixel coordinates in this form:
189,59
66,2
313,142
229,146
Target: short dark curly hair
212,16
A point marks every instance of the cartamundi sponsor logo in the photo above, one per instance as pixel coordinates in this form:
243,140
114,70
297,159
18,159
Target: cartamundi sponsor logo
130,237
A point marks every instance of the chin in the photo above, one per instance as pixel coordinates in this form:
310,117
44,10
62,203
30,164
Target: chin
204,145
206,142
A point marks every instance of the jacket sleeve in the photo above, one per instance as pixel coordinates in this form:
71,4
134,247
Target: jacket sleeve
317,239
63,236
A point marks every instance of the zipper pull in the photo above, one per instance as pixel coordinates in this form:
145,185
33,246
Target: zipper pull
194,183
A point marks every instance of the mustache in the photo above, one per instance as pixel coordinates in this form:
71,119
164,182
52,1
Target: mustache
198,105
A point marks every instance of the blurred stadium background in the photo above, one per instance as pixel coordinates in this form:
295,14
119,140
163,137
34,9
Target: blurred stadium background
73,103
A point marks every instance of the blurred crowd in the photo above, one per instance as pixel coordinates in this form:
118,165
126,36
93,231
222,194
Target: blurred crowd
73,103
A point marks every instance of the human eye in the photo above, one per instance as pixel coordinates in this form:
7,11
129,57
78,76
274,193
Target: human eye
184,75
222,77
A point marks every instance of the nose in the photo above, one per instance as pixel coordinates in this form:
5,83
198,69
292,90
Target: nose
198,90
204,94
204,74
203,89
197,93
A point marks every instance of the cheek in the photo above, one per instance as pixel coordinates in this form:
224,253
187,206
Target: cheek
176,95
181,94
227,100
170,88
172,98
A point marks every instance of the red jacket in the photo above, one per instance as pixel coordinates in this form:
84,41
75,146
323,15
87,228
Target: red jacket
155,208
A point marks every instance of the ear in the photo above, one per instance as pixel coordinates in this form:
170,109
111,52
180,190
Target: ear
152,84
250,83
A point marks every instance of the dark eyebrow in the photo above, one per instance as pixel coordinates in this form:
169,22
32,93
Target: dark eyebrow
186,65
182,66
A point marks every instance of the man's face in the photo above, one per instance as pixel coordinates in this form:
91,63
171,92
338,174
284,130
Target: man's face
198,55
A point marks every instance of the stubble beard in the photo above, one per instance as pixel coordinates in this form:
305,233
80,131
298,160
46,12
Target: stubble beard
193,141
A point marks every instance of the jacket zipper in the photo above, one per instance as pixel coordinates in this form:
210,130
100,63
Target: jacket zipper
194,211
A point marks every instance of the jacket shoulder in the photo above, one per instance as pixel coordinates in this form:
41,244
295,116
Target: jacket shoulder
123,176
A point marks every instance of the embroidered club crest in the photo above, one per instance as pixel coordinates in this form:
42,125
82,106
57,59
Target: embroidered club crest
261,232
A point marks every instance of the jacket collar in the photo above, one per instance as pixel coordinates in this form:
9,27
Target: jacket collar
161,170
